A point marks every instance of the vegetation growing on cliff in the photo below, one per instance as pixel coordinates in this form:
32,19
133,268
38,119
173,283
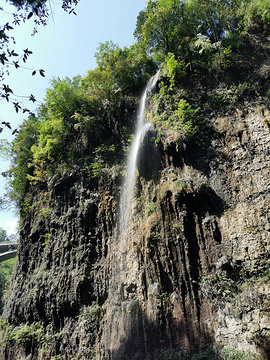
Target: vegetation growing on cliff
198,44
82,122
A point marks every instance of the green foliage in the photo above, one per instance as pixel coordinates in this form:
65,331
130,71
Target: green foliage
3,235
22,158
174,112
165,27
226,98
207,354
76,119
90,313
82,119
6,269
151,208
126,69
218,288
84,353
199,33
96,169
66,109
224,354
233,354
174,70
171,354
4,149
254,16
189,180
105,155
28,333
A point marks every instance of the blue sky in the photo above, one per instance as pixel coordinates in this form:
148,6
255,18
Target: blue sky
65,47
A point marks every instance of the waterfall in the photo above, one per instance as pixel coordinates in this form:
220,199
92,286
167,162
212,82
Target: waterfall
129,181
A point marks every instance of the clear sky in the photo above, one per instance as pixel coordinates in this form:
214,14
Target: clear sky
65,47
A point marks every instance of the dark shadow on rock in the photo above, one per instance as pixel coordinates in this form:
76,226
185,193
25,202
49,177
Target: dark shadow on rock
200,152
154,341
148,160
263,343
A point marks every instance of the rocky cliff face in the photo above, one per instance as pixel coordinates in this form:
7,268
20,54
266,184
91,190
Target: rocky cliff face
191,275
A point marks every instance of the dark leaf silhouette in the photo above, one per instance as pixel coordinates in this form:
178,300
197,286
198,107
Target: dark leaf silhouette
17,106
7,124
39,12
16,64
5,96
7,89
32,98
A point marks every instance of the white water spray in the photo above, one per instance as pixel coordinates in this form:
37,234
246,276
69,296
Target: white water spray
129,182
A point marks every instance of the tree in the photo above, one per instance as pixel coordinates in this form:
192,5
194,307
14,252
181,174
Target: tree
3,235
172,26
164,27
128,68
9,58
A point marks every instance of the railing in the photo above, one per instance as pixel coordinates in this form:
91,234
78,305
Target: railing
7,251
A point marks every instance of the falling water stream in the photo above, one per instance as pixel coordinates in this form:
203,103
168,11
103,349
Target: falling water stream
129,183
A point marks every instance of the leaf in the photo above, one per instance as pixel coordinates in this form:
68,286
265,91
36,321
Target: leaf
30,15
7,124
7,89
6,96
16,64
17,106
8,27
41,71
32,98
3,58
2,34
34,73
13,53
28,52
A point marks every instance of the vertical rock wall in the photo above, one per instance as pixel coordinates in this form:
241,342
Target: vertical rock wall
193,271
